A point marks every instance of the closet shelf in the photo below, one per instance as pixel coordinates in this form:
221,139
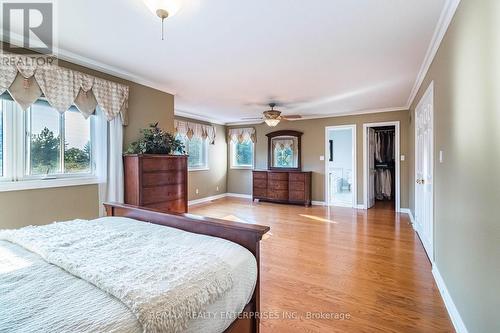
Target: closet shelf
384,166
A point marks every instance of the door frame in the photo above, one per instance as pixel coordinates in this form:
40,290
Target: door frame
352,127
397,156
428,91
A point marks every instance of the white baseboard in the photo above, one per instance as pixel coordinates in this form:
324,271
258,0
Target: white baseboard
206,199
218,196
322,203
410,214
238,195
456,319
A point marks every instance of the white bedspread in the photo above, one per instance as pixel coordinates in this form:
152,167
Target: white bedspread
37,296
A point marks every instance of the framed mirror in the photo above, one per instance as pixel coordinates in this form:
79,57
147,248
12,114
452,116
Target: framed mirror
283,149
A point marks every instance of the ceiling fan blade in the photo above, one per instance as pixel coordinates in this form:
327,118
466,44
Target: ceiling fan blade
295,116
252,118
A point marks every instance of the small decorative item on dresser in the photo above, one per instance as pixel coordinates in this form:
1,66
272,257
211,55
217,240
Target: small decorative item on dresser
155,172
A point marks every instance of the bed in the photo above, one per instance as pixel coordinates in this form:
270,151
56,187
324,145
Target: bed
175,273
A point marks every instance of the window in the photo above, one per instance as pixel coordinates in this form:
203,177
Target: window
1,138
43,140
41,143
242,154
284,152
197,149
284,157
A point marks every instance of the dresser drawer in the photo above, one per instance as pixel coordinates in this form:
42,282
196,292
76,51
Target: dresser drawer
278,176
260,183
297,177
176,206
278,185
163,164
297,196
259,175
296,186
277,195
260,192
162,193
162,178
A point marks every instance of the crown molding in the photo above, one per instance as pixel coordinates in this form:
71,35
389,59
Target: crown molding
444,22
65,55
354,113
110,70
190,115
249,122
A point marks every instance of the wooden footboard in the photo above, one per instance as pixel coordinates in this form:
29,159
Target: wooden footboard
246,235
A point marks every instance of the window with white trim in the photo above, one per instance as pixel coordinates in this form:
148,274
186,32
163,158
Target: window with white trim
242,154
197,149
42,144
2,130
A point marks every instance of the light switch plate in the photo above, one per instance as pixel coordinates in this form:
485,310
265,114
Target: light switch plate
322,158
403,157
441,156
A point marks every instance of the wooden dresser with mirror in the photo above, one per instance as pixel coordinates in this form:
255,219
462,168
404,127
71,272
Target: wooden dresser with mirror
284,181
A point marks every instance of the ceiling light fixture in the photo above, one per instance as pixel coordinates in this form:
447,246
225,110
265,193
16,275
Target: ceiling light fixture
272,122
163,9
272,117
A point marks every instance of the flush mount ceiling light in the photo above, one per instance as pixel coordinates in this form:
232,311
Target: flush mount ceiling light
163,9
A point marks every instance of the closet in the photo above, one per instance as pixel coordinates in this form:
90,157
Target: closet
383,139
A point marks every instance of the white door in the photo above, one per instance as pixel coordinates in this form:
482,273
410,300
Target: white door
424,169
371,167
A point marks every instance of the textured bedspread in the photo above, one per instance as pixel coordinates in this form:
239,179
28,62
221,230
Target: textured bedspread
159,275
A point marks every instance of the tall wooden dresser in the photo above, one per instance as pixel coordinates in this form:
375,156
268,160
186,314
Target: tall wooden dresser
292,187
156,181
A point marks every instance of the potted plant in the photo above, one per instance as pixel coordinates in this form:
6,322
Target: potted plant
154,140
155,171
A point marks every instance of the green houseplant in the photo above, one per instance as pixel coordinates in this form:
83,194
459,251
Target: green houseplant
154,140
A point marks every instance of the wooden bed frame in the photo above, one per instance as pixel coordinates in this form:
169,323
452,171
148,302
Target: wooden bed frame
246,235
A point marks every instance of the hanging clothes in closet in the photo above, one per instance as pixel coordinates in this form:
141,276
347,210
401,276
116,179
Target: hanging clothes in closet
384,147
383,184
384,164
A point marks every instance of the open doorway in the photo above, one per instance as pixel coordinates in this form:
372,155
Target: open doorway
340,166
381,165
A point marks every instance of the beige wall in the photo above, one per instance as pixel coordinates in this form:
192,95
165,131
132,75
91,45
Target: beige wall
207,181
21,208
313,146
41,206
466,75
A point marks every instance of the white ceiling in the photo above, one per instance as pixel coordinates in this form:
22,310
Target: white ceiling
222,58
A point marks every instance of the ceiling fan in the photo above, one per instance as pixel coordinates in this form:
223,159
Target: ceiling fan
273,117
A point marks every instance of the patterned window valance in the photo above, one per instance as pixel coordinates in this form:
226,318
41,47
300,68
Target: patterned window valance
241,134
284,143
62,87
195,130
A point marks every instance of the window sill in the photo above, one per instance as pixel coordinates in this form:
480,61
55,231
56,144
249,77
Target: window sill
49,183
242,167
199,169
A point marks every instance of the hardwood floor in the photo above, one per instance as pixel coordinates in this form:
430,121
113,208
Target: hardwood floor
367,267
